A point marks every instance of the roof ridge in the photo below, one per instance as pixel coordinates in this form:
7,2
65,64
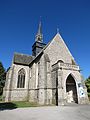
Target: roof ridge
46,46
16,53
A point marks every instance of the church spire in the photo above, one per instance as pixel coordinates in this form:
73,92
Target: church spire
39,36
38,45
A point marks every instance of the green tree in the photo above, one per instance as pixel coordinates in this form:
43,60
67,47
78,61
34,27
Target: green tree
87,83
2,77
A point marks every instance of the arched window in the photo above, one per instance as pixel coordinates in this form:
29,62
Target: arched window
61,61
21,78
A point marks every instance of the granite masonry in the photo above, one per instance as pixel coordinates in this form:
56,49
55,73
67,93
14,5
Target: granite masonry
49,76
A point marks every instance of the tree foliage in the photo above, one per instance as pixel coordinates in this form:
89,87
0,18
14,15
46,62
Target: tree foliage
87,83
2,77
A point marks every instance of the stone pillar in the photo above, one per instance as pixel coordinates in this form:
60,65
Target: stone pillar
60,88
48,84
41,78
53,78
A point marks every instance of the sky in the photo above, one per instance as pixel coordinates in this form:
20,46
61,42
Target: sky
19,21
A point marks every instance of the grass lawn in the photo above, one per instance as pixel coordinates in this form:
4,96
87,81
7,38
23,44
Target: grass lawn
25,104
13,105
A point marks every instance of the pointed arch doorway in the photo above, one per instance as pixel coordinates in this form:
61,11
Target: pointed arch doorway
71,90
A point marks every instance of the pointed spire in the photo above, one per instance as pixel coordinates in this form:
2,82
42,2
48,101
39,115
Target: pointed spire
39,36
39,28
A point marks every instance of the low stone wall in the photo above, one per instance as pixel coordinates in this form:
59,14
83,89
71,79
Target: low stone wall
16,95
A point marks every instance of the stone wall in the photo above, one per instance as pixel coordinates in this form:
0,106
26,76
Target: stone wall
57,50
63,74
45,77
12,93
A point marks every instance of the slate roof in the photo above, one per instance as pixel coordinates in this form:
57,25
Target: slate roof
22,59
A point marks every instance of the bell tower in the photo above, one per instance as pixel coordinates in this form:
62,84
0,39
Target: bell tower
38,45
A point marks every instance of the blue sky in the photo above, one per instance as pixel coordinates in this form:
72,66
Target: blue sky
19,22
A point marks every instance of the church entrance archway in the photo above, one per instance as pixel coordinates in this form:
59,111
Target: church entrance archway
71,90
56,92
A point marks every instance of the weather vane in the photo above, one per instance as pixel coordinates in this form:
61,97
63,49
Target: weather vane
57,30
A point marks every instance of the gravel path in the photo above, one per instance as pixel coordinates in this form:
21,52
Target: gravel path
77,112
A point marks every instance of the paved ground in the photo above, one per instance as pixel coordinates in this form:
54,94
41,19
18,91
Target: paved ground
74,112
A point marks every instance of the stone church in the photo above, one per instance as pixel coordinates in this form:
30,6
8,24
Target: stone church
49,76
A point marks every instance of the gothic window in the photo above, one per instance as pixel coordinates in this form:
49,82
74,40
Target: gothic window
21,78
